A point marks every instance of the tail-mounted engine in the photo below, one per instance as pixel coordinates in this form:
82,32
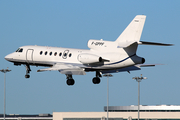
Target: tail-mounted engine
138,60
87,58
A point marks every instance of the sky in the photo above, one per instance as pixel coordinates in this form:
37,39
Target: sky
70,24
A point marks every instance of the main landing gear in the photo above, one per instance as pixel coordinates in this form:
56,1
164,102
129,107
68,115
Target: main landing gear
70,80
27,71
97,80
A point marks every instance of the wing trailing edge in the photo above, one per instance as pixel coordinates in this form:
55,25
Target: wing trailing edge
65,69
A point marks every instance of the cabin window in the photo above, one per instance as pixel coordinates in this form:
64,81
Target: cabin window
45,53
60,54
55,53
65,54
50,53
41,52
70,54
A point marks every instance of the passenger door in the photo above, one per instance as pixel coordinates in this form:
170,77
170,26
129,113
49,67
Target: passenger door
29,55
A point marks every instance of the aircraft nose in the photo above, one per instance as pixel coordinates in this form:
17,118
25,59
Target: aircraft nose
8,57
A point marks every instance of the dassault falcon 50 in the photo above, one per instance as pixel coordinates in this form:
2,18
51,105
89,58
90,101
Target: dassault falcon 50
102,56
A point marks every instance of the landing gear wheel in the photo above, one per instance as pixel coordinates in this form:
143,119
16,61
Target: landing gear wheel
27,76
70,82
27,71
96,80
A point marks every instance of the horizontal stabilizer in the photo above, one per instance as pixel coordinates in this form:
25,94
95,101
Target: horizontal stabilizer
154,43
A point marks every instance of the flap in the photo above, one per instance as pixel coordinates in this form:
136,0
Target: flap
65,69
73,72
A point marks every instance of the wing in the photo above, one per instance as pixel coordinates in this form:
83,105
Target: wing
65,69
131,68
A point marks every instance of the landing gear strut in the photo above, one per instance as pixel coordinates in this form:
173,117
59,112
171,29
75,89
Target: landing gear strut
97,80
70,80
27,71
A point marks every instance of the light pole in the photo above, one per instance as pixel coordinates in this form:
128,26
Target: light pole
139,79
4,71
107,75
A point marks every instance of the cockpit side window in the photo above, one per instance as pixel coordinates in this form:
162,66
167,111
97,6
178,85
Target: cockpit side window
19,50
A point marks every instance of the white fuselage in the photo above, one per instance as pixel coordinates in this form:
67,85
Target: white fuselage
48,56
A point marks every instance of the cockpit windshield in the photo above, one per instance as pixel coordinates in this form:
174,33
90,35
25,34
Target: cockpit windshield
19,50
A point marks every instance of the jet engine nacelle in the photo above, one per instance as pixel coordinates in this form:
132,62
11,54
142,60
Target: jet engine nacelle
87,58
138,60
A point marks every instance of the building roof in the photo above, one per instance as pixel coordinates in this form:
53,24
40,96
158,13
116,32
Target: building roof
37,116
145,108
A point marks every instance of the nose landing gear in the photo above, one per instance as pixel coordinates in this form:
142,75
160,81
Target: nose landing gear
27,71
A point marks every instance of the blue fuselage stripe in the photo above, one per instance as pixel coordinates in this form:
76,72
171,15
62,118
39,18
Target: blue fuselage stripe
121,60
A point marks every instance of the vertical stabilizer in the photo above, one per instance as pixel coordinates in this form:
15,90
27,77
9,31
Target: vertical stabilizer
132,33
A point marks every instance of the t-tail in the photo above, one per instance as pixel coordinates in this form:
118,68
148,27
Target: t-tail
133,32
131,35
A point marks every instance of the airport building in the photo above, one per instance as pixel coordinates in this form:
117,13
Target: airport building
158,112
26,117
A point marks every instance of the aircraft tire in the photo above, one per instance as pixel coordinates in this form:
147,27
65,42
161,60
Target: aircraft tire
96,80
70,82
27,76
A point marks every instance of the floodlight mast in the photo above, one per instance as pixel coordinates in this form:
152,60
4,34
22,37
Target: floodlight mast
108,75
139,79
5,71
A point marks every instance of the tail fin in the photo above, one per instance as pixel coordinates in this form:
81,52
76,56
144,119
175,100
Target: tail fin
132,33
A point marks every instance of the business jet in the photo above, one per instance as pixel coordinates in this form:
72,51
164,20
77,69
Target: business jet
102,56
